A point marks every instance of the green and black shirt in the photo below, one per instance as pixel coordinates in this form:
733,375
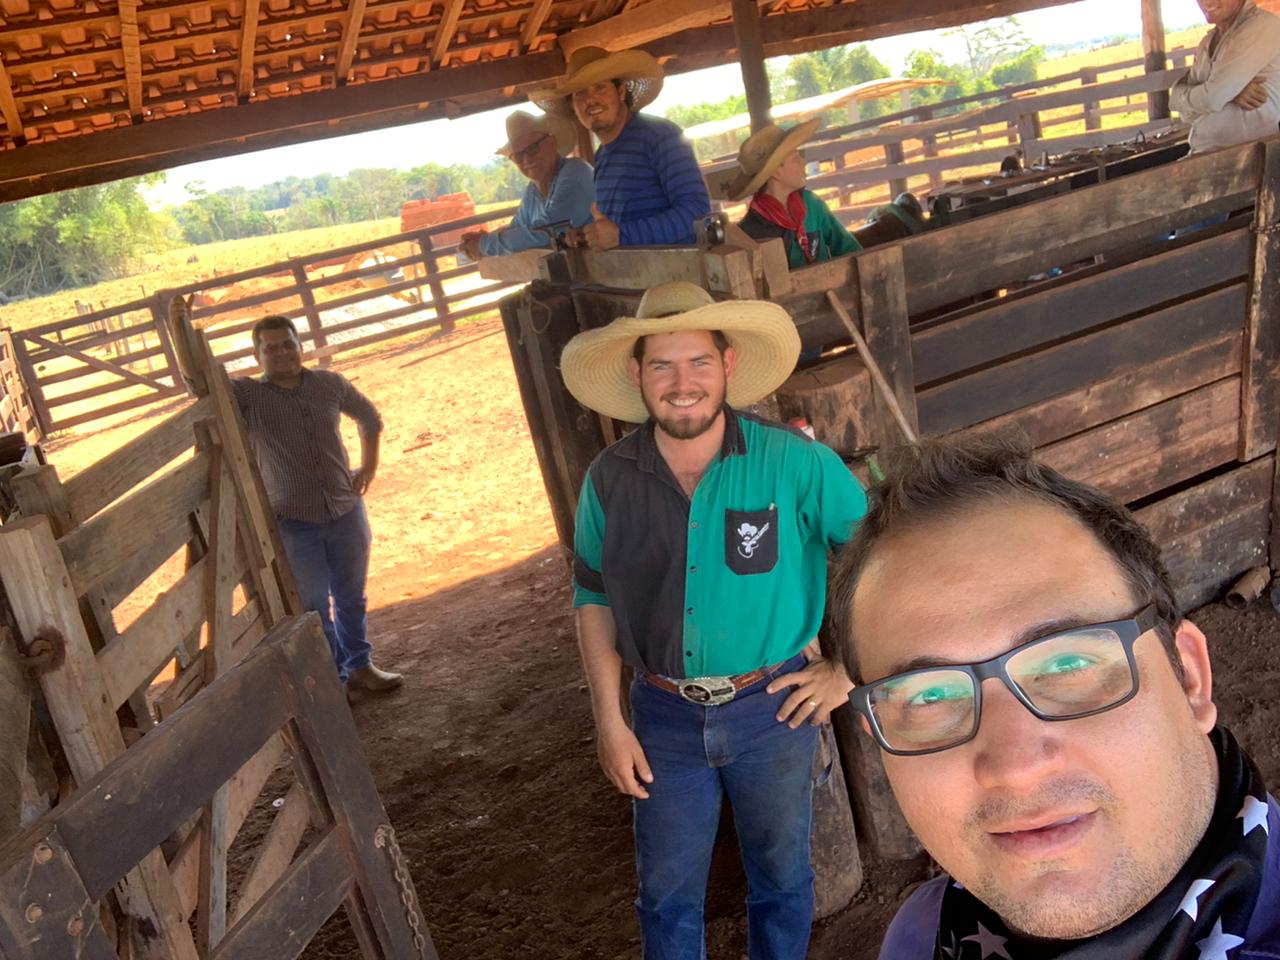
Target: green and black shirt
729,580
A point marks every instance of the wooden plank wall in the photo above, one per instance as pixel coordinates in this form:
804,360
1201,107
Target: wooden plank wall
17,415
180,508
1148,371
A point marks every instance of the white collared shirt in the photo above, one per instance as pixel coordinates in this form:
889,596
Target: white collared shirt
1249,48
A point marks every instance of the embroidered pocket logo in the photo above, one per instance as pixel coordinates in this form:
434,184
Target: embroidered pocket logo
750,536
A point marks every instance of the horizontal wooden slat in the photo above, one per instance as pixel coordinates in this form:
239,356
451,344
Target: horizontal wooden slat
1076,363
170,534
131,659
1004,329
127,466
98,547
1106,400
282,923
1201,563
946,265
1155,448
1177,516
125,797
66,423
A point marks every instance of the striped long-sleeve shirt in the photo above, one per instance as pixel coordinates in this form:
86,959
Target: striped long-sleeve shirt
295,438
648,183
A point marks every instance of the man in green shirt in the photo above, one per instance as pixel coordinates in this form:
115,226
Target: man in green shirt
771,170
701,558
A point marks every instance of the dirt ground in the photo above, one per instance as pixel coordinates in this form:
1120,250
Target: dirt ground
485,759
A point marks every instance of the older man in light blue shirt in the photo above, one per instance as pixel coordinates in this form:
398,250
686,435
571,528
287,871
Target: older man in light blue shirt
560,188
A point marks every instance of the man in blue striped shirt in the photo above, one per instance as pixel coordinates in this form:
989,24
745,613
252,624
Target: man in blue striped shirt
649,190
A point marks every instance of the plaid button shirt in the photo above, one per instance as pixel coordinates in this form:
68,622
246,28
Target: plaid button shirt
299,448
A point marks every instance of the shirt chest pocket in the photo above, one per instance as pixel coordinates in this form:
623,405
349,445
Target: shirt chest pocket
751,540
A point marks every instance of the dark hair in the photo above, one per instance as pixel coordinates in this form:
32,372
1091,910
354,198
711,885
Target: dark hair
273,322
717,337
940,477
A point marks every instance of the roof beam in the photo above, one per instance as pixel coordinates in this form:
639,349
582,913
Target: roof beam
248,46
132,53
347,46
130,151
537,17
818,29
448,28
9,106
654,20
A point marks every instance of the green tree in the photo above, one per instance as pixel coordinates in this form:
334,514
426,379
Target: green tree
991,43
65,240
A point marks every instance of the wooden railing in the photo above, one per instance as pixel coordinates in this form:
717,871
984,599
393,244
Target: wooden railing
87,367
914,148
119,358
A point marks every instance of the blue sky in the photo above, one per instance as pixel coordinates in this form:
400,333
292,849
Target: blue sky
473,139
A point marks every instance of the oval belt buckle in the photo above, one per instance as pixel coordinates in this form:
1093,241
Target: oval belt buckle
707,691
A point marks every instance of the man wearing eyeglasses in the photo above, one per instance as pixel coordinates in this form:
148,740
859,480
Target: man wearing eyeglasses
1047,723
560,188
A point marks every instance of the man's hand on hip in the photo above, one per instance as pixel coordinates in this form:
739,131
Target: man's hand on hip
360,480
819,688
1253,96
622,759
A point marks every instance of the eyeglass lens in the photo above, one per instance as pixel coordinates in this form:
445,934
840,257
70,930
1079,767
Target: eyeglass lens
1064,675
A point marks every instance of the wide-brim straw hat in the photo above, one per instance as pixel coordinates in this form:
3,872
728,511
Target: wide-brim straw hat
588,65
596,364
520,124
762,153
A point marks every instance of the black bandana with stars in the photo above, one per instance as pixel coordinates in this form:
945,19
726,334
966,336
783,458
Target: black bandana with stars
1203,913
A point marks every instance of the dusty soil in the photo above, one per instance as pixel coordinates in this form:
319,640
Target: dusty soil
484,759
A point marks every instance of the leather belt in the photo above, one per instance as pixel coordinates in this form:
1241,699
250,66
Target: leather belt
710,691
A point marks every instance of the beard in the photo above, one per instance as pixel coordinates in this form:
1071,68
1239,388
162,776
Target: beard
686,426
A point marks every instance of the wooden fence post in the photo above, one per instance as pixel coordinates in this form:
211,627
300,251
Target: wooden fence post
438,298
1092,120
893,155
31,380
39,590
1261,394
308,298
160,317
882,308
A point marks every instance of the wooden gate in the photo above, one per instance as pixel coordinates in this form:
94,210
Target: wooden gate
54,874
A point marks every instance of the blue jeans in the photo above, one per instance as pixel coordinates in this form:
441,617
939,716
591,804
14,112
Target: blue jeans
699,755
330,561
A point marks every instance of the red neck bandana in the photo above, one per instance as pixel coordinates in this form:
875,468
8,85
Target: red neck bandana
790,217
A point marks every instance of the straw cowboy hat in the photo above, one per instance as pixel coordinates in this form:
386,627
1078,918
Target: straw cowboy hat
520,124
595,364
762,153
588,65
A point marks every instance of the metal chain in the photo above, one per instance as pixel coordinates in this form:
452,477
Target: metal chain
384,838
1269,230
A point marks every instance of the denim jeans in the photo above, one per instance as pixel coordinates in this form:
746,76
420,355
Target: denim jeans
698,756
330,561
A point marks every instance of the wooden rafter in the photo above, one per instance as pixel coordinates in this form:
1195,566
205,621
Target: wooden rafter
448,28
8,105
536,19
132,53
248,45
129,151
656,19
347,46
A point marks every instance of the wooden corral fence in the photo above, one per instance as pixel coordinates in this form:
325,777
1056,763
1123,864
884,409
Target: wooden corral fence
932,140
1148,368
104,362
53,874
17,415
119,358
162,562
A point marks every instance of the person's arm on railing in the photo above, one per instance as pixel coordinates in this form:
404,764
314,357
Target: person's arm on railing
571,196
1250,55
